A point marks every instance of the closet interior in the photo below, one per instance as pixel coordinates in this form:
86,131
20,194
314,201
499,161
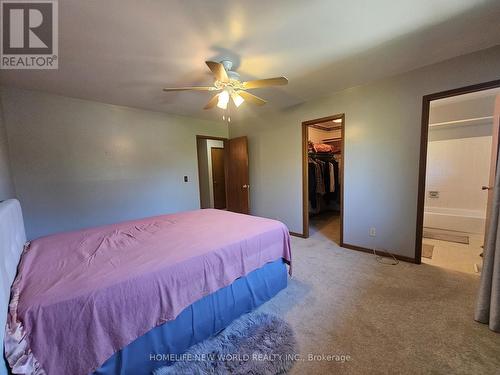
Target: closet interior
324,177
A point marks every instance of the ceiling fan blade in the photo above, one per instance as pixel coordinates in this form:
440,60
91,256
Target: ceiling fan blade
251,98
258,83
212,102
218,70
196,88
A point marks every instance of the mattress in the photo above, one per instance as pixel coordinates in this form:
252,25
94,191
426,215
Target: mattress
79,297
206,317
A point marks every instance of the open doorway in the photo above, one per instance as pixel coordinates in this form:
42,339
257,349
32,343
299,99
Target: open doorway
223,173
459,153
323,147
212,172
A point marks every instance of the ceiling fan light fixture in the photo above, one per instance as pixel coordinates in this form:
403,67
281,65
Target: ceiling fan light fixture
237,99
228,82
223,99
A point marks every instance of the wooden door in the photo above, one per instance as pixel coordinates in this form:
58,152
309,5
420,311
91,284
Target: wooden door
218,177
493,164
237,186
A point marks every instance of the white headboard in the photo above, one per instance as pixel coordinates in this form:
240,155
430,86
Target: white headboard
12,240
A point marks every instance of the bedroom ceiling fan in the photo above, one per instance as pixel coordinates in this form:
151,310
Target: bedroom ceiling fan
230,86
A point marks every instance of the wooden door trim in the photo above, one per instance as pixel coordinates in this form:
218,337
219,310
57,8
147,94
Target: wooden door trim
424,137
198,137
305,186
238,179
305,174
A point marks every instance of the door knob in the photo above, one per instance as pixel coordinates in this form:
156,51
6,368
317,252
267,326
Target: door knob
246,186
487,188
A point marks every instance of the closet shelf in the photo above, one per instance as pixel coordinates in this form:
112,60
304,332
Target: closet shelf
323,154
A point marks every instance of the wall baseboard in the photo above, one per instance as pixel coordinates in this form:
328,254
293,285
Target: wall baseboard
366,250
295,234
379,252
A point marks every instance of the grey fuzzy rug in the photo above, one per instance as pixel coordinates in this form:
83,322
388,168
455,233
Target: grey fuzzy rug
253,344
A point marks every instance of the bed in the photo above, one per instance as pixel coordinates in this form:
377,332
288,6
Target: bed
126,298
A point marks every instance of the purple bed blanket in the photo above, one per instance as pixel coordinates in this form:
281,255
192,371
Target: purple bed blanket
81,296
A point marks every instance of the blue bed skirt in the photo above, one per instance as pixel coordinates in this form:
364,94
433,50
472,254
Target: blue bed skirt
204,318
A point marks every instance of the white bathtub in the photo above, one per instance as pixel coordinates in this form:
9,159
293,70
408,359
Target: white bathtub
456,219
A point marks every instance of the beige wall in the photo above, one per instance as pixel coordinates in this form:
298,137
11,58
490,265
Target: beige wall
78,163
382,145
6,185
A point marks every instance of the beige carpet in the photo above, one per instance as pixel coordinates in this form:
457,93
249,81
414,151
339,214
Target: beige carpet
404,319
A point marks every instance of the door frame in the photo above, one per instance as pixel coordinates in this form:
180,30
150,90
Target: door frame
225,140
424,137
305,173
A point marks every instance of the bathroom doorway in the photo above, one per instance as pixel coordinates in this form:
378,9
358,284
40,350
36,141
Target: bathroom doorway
460,153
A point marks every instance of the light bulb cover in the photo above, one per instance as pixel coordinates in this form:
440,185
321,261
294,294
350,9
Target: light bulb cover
223,99
237,99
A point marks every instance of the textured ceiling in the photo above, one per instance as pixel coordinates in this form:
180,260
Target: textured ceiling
124,51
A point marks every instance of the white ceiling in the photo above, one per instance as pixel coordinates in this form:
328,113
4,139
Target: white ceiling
124,51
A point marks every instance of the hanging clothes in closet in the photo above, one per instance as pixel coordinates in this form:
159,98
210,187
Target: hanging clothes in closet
324,181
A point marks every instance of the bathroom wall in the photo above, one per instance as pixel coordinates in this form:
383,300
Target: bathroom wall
457,168
458,162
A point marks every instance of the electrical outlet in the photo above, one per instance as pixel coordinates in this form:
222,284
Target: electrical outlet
186,179
434,194
373,232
